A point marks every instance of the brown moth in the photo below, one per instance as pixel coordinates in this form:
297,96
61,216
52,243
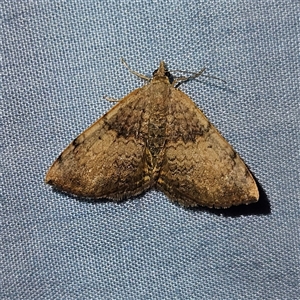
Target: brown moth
155,137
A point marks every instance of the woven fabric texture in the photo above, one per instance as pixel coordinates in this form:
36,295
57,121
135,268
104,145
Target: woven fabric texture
59,60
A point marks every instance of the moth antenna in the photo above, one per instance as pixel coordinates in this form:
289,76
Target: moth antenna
134,72
182,79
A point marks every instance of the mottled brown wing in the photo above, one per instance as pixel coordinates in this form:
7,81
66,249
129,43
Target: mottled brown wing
199,166
107,159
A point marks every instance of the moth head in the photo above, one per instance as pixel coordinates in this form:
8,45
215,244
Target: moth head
162,72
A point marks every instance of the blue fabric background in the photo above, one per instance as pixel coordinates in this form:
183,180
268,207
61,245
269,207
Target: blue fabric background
59,58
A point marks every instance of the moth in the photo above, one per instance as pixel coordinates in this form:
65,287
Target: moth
155,137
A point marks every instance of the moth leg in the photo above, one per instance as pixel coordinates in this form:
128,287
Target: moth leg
110,99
